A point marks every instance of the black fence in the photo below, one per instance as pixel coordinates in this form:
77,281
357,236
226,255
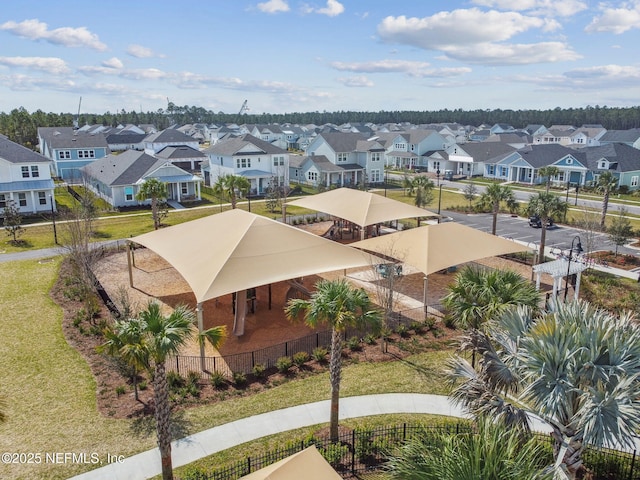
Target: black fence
366,450
268,356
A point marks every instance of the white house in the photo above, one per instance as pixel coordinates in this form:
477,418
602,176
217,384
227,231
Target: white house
257,160
25,178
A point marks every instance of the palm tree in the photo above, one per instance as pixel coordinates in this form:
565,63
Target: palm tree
546,206
151,339
423,189
493,196
479,294
492,452
576,368
337,304
548,172
607,181
230,187
154,189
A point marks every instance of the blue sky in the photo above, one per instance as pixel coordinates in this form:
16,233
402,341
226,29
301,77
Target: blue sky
297,56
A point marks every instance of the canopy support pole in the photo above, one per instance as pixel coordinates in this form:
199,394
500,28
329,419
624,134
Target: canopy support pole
200,316
424,295
129,264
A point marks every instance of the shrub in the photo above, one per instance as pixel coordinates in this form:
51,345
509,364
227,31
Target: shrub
193,378
402,330
142,386
258,370
449,322
239,379
334,453
417,327
430,323
217,380
121,390
300,358
370,339
354,344
319,354
175,381
284,364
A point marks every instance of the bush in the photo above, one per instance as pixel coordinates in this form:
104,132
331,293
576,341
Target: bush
449,322
258,370
402,330
300,358
370,339
175,381
217,379
284,364
142,386
121,390
239,379
193,378
334,453
417,327
319,354
430,323
354,344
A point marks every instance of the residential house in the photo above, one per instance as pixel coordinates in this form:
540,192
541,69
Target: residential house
534,129
471,158
557,134
412,148
183,156
341,151
513,139
168,138
117,178
125,140
501,128
588,135
620,159
70,150
629,137
257,160
25,178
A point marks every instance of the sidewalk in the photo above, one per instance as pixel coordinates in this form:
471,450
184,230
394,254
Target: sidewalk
147,464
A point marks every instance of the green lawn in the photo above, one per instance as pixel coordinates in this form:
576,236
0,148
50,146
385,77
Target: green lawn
50,394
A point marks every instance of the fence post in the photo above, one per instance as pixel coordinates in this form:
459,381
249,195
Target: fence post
633,462
317,340
178,364
253,360
404,432
353,452
248,465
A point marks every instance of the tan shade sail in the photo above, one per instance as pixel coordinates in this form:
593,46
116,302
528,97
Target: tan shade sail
361,208
235,250
435,247
308,464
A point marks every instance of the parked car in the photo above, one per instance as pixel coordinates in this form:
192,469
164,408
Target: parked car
535,222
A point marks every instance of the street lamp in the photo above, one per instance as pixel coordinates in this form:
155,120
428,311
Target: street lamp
53,220
438,176
439,202
576,204
578,249
385,181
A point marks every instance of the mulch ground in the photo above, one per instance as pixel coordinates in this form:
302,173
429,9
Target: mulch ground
267,325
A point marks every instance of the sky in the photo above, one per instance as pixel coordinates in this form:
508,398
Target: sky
318,55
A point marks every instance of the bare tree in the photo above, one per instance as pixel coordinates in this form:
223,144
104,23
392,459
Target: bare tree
588,221
12,221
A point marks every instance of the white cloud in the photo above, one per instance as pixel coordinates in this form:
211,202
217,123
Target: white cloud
359,81
552,8
113,63
411,68
273,6
139,51
616,20
69,37
51,65
333,9
512,54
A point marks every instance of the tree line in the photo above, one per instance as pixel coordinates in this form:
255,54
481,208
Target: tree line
21,126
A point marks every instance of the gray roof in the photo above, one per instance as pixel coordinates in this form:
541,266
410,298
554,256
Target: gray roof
124,169
13,152
128,138
342,142
621,136
67,137
169,135
232,146
487,151
178,152
539,156
625,158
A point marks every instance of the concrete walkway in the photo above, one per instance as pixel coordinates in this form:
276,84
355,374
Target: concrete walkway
189,449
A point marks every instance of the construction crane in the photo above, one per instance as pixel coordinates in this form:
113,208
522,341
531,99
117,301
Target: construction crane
76,121
243,108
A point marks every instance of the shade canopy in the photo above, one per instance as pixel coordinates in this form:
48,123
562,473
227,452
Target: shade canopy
235,250
361,208
435,247
308,464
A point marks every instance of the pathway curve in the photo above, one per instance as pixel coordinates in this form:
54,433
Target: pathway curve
189,449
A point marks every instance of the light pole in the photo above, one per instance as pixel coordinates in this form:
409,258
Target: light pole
438,176
578,249
576,204
439,202
385,181
53,220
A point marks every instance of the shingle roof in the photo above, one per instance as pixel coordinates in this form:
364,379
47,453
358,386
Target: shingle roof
13,152
124,169
342,142
169,136
67,137
232,146
623,136
627,158
180,151
539,156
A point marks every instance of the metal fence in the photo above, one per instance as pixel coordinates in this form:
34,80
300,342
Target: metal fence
366,450
268,356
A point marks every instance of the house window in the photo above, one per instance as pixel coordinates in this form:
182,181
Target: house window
184,188
375,157
560,177
436,165
35,173
342,158
243,163
42,198
503,171
3,200
313,176
375,176
64,154
128,194
569,161
25,172
634,181
602,165
400,146
22,199
86,154
278,161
